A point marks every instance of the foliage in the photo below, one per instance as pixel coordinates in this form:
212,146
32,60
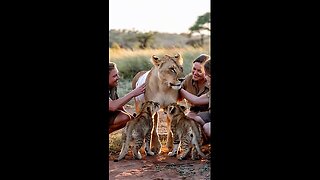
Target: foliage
201,25
145,39
127,39
115,45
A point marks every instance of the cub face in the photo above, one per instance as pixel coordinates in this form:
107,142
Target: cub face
151,107
174,109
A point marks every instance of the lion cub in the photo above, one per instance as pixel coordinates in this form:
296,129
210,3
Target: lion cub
139,129
184,129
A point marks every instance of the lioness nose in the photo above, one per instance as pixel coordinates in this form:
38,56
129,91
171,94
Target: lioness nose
181,79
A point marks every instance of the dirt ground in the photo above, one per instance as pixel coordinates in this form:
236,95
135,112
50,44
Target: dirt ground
160,166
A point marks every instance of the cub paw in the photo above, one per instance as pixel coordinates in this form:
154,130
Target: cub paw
138,156
170,147
195,157
156,150
149,153
181,158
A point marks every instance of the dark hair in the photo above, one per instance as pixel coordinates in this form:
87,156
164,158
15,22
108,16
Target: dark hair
207,68
112,66
202,58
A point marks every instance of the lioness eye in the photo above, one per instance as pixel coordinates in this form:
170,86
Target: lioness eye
172,69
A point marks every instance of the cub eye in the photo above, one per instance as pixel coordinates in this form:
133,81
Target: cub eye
172,69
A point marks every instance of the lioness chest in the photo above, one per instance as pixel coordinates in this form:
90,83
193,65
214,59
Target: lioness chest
163,98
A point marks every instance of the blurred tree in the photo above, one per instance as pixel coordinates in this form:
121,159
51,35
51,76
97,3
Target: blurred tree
145,39
201,25
195,43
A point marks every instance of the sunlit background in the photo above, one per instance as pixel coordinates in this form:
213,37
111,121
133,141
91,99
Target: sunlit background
169,16
139,29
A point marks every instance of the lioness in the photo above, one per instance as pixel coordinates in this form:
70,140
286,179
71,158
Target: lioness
139,129
184,130
162,84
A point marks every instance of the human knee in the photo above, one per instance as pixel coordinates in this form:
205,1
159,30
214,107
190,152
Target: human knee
198,119
124,117
207,129
191,114
121,120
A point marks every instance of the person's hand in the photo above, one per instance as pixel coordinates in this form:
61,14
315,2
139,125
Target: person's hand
139,90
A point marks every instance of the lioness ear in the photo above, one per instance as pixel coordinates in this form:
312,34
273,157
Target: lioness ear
179,59
155,60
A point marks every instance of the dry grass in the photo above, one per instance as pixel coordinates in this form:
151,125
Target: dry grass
130,62
115,141
118,54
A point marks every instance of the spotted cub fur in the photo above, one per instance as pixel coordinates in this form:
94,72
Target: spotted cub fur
185,131
138,130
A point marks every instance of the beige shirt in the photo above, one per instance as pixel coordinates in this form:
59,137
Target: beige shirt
113,94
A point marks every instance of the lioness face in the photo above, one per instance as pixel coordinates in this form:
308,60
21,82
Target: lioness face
170,70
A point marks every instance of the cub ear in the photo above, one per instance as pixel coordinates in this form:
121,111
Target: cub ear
149,110
179,59
172,109
183,108
134,114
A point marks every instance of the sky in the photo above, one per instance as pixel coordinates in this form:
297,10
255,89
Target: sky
167,16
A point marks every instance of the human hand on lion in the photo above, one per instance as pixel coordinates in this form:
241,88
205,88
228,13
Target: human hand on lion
139,90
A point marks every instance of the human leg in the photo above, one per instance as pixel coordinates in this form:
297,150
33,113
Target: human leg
207,129
119,121
195,117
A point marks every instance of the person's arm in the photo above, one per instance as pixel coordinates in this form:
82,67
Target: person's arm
119,103
201,100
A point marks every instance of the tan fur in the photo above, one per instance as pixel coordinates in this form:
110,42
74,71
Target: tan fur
162,86
184,130
138,130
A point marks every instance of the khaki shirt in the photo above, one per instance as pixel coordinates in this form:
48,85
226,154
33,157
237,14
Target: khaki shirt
194,88
209,96
113,96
